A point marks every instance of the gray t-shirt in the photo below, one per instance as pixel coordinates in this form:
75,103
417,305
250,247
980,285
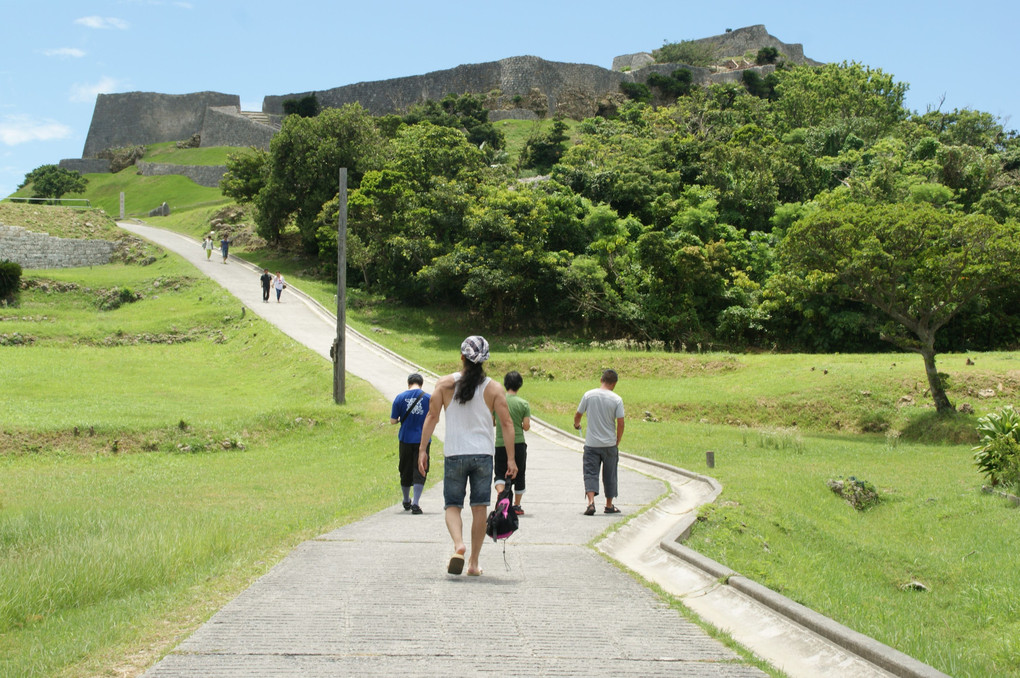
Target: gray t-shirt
603,407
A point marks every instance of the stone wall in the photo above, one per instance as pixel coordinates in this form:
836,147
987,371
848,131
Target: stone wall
753,38
86,165
140,118
571,89
574,90
41,250
225,126
203,175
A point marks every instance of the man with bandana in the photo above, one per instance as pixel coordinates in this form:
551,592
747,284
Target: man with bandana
470,399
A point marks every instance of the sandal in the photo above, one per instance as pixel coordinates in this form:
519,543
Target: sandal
590,511
612,509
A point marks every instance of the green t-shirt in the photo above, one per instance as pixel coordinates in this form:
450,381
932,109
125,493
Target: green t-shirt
519,408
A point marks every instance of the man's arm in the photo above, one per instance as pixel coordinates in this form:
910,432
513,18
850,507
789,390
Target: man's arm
502,412
440,397
577,421
619,431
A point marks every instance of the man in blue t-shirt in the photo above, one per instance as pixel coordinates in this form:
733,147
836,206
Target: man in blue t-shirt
409,410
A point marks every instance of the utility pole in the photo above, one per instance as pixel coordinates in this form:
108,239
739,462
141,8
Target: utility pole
339,344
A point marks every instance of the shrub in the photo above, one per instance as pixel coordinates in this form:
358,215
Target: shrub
998,454
638,91
10,279
858,493
686,52
306,107
766,55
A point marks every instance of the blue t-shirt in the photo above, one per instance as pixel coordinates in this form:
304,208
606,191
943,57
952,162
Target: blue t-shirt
410,430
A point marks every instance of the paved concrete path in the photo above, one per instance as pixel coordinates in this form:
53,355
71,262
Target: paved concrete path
373,598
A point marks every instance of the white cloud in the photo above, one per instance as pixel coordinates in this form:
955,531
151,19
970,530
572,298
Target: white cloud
20,129
65,52
102,22
86,93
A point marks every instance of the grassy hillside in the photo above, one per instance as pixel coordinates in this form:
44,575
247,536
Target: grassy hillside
780,426
159,451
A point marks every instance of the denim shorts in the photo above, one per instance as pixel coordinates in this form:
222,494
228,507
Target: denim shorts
458,469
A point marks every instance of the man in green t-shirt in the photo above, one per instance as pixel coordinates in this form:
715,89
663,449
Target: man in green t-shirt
520,413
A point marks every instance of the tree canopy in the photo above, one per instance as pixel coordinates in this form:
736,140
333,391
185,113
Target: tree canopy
704,215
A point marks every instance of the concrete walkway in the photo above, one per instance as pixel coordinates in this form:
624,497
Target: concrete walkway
373,598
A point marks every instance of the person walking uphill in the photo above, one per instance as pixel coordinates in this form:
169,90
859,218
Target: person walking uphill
602,440
470,399
225,242
409,410
279,284
267,280
207,245
520,413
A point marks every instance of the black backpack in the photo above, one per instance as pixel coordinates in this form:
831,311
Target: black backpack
502,521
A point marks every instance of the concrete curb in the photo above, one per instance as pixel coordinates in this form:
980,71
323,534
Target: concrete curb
856,643
863,646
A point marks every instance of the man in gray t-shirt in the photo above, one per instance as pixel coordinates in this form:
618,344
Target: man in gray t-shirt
602,441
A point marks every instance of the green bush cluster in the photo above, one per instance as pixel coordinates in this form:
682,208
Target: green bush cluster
858,493
998,454
10,279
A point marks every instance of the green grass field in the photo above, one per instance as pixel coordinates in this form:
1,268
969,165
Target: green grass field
157,457
780,427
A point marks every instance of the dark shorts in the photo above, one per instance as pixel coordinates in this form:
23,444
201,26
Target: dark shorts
499,466
608,458
461,468
407,465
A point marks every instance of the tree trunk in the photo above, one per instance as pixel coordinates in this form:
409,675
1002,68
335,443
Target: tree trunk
938,393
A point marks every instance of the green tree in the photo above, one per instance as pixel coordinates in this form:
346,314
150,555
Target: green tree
305,158
808,96
766,55
916,264
246,174
306,106
53,181
506,273
543,150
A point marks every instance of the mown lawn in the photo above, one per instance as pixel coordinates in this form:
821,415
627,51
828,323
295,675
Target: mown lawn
155,458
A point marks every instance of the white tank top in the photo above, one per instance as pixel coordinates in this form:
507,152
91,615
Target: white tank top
469,427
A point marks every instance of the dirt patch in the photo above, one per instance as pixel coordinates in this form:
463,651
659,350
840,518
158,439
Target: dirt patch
979,384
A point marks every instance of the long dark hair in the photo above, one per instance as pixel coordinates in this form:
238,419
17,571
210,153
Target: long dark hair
471,377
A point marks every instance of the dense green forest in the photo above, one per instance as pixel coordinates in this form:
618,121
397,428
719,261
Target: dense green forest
808,210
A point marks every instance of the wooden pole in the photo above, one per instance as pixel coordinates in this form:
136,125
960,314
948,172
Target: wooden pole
339,345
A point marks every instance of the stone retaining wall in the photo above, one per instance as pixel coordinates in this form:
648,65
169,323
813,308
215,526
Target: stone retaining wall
203,175
225,126
41,250
86,165
141,118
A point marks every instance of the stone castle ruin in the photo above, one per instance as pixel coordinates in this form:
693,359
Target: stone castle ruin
517,87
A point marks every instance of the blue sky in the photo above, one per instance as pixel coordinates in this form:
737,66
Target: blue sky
56,55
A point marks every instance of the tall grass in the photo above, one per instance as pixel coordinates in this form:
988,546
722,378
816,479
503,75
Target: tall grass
142,485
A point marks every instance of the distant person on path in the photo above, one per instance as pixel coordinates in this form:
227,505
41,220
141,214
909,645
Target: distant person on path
520,414
602,440
267,282
409,410
225,246
470,398
207,245
279,284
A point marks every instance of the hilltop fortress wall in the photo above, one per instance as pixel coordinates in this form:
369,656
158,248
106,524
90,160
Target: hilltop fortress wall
139,118
523,86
